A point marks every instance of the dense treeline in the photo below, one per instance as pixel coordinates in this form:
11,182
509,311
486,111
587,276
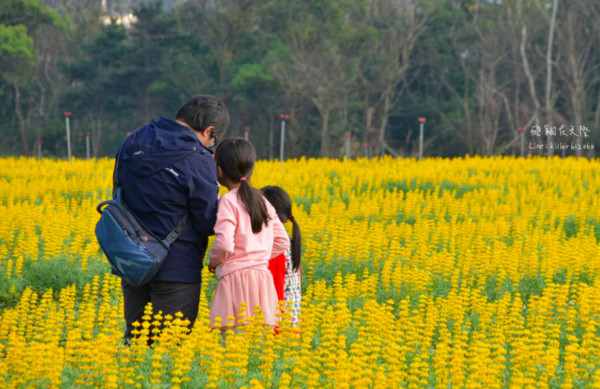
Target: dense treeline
477,71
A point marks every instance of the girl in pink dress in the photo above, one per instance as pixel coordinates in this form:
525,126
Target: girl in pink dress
247,234
285,267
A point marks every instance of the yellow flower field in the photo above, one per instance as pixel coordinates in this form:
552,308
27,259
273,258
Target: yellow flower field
470,272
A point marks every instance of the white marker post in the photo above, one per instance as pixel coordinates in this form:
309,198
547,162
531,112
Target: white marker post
522,131
67,114
246,132
422,122
87,145
283,119
348,146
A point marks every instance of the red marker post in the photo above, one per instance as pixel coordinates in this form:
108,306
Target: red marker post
67,115
421,124
246,132
283,119
522,132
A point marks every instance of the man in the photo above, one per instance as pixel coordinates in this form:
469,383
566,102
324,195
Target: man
166,171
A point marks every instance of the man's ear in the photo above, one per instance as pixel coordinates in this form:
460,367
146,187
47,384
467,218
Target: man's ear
209,129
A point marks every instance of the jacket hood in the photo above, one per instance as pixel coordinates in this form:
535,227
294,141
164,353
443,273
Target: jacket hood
158,145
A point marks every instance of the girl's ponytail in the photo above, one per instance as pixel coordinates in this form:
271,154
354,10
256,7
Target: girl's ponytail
296,240
255,205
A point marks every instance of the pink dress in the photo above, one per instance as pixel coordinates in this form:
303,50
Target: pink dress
241,258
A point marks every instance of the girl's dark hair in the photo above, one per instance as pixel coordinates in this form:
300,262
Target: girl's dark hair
236,157
283,206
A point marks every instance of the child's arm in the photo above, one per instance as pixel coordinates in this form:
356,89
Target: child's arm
224,232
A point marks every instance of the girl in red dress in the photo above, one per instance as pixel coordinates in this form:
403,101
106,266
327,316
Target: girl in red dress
286,267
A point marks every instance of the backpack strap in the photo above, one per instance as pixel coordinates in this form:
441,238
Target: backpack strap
175,232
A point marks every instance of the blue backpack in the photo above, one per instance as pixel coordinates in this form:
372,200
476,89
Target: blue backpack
135,253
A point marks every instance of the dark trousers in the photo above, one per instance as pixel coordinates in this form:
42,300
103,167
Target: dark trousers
168,297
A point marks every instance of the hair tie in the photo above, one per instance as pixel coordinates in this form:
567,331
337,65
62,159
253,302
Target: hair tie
242,179
291,218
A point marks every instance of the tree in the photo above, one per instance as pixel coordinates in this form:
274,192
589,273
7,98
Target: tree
100,83
312,62
387,39
532,72
577,35
19,21
157,62
220,23
478,70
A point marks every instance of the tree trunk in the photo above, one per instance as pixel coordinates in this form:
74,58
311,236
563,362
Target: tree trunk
549,106
527,69
384,122
22,127
597,112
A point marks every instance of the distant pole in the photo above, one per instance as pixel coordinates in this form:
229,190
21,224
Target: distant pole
87,145
422,123
39,148
246,131
366,147
348,146
67,114
522,131
283,119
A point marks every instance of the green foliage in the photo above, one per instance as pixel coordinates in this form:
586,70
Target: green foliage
252,74
16,52
14,42
41,275
571,226
429,187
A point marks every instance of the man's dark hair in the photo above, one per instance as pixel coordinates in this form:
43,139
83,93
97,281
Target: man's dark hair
201,111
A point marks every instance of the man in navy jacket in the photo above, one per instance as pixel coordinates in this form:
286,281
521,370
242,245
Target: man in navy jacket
166,171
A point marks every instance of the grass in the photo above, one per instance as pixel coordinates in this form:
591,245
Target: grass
42,275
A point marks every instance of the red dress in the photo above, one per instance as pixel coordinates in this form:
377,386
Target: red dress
287,283
277,268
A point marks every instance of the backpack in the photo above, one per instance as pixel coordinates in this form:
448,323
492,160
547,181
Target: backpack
135,253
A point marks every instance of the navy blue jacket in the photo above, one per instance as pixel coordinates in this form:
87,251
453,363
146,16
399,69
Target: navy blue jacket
165,172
